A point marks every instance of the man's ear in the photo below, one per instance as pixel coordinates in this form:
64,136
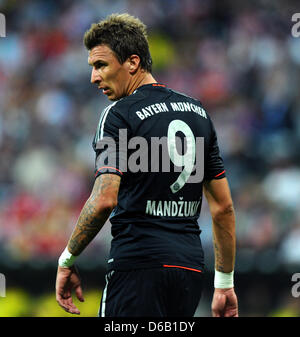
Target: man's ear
133,63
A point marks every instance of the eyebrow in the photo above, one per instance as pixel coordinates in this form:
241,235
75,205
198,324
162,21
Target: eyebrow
98,62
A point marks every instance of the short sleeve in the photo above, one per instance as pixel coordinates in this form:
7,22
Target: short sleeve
110,143
214,166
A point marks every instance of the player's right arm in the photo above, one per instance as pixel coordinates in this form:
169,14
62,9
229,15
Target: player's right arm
220,203
92,217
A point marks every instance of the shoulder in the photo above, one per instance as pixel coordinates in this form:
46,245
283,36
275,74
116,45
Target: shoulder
182,102
183,96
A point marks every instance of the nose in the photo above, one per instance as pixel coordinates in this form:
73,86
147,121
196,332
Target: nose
95,77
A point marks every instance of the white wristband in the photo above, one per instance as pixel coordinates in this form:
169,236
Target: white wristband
66,259
223,280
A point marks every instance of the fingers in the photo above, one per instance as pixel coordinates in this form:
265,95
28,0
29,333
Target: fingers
218,312
224,304
79,294
67,304
218,305
215,313
64,299
67,280
231,313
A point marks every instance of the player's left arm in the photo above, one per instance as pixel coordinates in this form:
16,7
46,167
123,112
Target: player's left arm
218,196
92,217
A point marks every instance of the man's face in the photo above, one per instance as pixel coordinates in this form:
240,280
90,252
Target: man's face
110,76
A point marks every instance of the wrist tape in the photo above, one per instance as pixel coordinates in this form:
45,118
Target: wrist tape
66,259
223,280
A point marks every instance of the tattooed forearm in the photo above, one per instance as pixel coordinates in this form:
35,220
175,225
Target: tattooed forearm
95,212
88,225
218,257
224,240
217,193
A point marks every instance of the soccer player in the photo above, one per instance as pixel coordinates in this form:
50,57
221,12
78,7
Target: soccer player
156,151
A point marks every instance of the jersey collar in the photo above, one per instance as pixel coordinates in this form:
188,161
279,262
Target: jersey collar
150,85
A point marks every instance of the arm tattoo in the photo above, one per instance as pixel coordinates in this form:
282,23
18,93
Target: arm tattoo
219,265
224,239
92,216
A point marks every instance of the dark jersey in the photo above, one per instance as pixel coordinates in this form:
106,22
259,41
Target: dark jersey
163,145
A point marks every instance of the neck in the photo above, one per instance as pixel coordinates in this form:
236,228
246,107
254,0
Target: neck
140,79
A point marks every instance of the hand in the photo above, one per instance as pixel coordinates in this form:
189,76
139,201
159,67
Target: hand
224,303
68,279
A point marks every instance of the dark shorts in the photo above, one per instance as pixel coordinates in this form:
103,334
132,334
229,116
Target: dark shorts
154,292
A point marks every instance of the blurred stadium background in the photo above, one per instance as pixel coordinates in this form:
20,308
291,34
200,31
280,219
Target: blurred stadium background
239,58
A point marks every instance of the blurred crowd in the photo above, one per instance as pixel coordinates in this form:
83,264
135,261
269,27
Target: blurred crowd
240,60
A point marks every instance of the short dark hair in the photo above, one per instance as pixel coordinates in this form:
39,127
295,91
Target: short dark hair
124,34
